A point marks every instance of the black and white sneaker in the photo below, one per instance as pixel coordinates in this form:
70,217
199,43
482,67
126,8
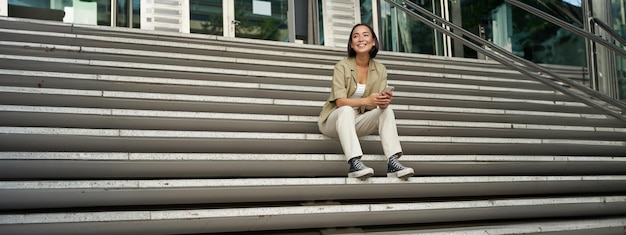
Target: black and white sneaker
358,169
395,169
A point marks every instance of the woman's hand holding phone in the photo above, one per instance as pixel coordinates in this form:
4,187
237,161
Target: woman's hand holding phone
387,91
387,95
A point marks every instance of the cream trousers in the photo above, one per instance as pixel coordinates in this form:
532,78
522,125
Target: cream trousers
348,125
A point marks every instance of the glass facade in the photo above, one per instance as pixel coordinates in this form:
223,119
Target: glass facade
525,34
522,33
547,43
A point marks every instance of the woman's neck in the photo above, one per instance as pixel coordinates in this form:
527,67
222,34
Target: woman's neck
362,60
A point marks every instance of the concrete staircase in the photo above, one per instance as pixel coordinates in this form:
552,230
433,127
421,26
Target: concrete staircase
109,130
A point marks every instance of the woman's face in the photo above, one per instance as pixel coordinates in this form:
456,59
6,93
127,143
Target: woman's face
362,41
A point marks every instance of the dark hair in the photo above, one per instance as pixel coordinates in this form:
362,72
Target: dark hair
373,52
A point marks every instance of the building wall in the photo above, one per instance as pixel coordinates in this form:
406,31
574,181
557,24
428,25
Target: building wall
3,8
339,17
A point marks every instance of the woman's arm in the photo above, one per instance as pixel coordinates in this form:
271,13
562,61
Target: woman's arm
384,103
374,99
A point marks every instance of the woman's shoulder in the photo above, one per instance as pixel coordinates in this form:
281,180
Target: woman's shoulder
376,62
378,65
346,62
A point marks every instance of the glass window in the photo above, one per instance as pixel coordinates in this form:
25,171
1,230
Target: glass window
525,34
122,16
36,9
260,19
71,11
206,17
103,10
366,12
123,13
137,14
320,21
402,33
302,16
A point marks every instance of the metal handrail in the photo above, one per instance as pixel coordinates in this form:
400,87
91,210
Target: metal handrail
608,29
568,26
506,61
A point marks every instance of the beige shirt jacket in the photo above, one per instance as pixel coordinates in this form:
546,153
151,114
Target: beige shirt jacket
345,83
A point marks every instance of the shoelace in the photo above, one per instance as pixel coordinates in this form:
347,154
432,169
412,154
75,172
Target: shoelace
395,165
358,165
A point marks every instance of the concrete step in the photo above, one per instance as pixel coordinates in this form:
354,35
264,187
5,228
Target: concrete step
112,130
132,165
410,94
217,219
313,106
413,90
222,46
232,119
133,140
183,103
432,96
268,65
596,226
424,63
246,47
23,195
17,115
55,79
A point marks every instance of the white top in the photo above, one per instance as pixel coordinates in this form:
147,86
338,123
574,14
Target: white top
360,90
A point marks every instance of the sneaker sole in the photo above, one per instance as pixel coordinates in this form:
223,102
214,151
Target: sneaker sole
362,174
403,174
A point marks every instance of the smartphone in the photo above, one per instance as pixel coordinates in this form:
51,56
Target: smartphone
388,88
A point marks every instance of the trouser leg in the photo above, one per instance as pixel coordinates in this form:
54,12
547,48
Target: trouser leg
384,121
342,124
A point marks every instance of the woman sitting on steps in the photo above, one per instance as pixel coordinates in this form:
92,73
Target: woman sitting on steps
358,105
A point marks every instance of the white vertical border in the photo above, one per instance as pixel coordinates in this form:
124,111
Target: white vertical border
357,11
114,13
327,16
447,40
228,16
184,16
4,5
291,20
146,14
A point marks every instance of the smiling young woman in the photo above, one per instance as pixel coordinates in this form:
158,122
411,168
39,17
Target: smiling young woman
358,105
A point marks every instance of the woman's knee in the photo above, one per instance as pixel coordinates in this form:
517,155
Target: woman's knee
388,112
345,111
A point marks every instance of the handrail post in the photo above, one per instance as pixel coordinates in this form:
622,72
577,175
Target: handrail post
592,56
608,29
